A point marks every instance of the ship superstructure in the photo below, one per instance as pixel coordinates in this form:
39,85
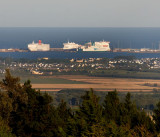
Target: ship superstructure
96,46
38,46
70,46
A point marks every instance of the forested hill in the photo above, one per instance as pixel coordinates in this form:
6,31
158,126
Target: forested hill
26,112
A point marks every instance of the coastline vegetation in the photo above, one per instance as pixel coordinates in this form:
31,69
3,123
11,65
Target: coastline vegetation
126,74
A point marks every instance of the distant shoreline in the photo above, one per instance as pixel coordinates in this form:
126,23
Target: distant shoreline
62,50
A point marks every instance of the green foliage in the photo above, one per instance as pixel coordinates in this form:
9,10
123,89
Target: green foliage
65,116
129,111
44,80
11,85
113,130
156,117
5,107
89,117
5,130
141,131
126,115
27,112
111,106
123,73
90,109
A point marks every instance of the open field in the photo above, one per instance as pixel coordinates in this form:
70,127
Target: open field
126,74
98,83
51,80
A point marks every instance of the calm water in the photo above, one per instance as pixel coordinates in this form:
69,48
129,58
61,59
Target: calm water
119,37
35,55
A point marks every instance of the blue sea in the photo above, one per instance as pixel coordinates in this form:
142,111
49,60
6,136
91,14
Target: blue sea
119,38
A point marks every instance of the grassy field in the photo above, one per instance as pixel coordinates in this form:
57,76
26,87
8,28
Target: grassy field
126,74
59,82
97,83
52,80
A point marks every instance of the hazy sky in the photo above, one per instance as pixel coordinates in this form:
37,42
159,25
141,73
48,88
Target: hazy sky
79,13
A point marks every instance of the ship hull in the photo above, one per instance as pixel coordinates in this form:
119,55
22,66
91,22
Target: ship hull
101,46
97,50
38,47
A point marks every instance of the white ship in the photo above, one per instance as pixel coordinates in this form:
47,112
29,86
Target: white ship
38,46
96,46
70,46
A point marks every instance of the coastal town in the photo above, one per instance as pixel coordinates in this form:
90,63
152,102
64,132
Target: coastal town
46,66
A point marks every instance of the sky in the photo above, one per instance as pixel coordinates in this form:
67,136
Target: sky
79,13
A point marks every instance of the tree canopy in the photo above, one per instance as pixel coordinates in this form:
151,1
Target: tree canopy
27,112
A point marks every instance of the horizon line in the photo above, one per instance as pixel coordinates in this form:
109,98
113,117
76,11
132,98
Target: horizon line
76,27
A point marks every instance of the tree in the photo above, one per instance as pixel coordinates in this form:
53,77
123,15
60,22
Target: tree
65,116
111,106
36,118
89,117
113,130
128,112
156,117
5,130
126,117
5,107
29,112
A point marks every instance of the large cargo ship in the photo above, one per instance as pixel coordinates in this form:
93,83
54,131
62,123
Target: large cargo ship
70,46
96,46
38,46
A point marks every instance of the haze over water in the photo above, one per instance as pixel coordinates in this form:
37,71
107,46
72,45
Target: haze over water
126,37
119,38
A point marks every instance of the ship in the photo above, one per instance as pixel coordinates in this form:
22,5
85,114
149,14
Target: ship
96,46
38,46
70,46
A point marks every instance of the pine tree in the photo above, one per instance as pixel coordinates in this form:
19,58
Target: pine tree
156,117
128,112
5,130
111,106
65,116
89,117
11,85
29,112
36,118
